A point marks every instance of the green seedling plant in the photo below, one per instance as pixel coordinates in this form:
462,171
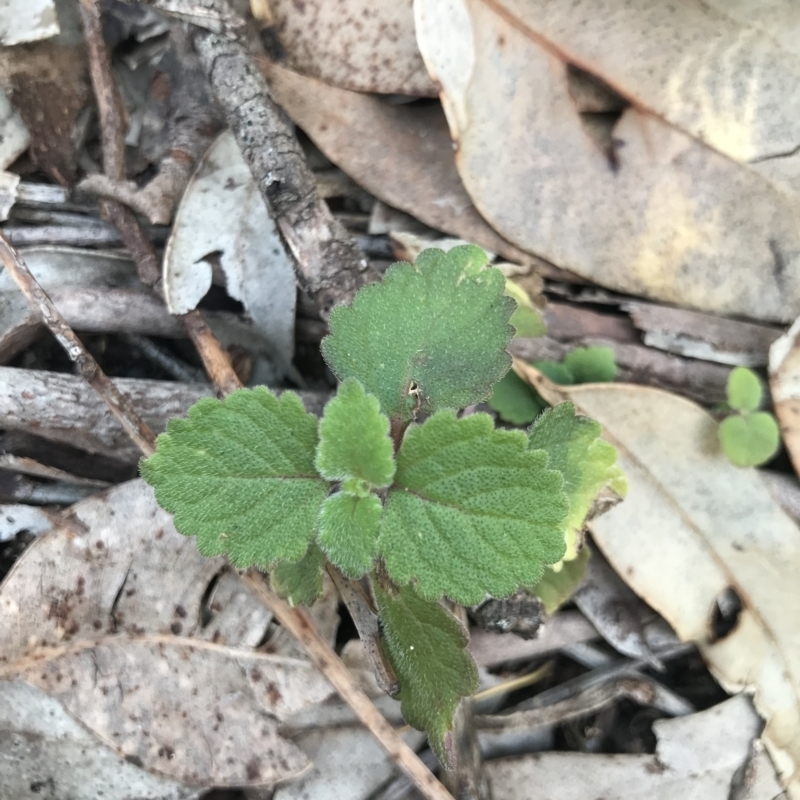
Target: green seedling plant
749,437
516,402
391,486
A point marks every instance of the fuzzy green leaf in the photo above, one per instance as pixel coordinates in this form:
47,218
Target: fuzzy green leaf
300,582
239,474
348,530
591,364
471,512
526,319
750,439
354,443
558,585
744,389
587,463
427,648
432,335
556,372
515,401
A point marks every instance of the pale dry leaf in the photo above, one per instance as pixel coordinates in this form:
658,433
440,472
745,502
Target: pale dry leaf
784,384
358,44
698,757
195,712
625,198
401,154
14,136
22,21
44,752
692,530
223,216
129,572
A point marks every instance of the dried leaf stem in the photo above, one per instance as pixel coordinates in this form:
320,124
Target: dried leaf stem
297,622
88,368
215,359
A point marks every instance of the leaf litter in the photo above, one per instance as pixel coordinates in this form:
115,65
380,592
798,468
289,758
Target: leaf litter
672,139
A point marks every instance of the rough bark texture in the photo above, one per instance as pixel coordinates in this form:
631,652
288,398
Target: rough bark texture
63,408
329,265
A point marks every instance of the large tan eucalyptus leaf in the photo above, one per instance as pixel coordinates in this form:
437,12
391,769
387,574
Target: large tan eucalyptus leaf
150,645
694,528
196,712
612,180
784,383
402,154
364,45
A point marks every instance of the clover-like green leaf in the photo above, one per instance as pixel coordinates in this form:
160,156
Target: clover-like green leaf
591,364
348,531
472,511
432,335
750,439
558,585
427,648
556,371
744,389
587,463
354,443
239,474
300,582
515,401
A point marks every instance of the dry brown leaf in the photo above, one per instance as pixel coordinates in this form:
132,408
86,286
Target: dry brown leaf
626,199
200,713
694,528
145,641
401,154
784,382
362,45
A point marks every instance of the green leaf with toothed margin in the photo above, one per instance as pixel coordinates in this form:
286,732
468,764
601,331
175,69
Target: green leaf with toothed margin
354,443
300,582
427,647
558,585
239,475
431,335
348,531
472,511
574,448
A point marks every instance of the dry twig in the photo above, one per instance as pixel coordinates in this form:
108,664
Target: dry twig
215,359
297,622
88,368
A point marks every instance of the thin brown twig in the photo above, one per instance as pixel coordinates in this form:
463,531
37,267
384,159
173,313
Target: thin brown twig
366,621
88,368
297,622
112,124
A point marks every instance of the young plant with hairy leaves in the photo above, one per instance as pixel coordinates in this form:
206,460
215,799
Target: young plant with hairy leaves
391,486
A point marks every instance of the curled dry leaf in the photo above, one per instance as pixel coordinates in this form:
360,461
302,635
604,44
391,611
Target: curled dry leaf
223,218
693,531
152,638
784,383
616,183
401,154
357,44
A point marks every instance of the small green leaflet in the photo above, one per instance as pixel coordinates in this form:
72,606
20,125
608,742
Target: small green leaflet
472,511
588,464
300,582
591,364
750,439
744,389
354,443
432,335
239,474
427,648
515,401
348,530
558,585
